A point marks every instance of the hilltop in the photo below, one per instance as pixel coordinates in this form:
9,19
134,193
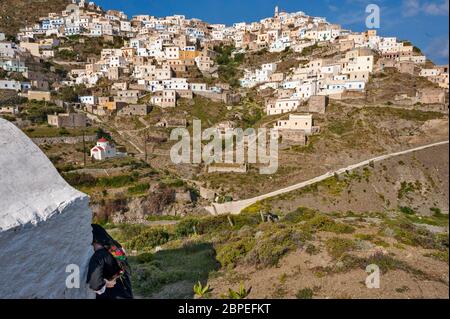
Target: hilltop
16,14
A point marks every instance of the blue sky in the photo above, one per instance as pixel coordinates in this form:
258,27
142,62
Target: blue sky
424,22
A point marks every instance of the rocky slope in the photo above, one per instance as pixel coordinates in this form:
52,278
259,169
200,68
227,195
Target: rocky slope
416,181
15,14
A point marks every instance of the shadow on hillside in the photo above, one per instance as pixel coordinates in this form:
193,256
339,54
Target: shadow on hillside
172,273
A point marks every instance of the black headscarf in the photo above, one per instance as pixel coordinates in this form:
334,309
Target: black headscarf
100,236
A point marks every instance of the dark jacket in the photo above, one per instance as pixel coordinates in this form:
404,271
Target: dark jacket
102,266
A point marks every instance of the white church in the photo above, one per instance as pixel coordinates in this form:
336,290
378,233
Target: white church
103,150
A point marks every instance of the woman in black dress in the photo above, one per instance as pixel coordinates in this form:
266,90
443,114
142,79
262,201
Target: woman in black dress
108,274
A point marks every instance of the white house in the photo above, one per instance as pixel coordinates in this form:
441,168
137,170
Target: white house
429,72
261,75
281,106
103,150
10,85
198,87
88,99
296,122
176,84
125,26
355,85
359,64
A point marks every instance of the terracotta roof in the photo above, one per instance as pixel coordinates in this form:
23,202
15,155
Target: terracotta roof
102,140
97,148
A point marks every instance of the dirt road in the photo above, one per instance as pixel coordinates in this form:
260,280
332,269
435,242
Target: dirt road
235,207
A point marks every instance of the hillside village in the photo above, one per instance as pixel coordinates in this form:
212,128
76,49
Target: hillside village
156,52
99,92
88,67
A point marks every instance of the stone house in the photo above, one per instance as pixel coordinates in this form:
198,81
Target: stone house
134,109
39,95
431,96
227,168
172,122
164,98
127,96
406,67
318,104
67,120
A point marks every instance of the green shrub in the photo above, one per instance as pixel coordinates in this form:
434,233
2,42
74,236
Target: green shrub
385,262
149,239
245,219
200,290
126,232
117,181
80,179
436,211
336,246
139,188
256,208
153,218
241,293
299,215
173,182
229,254
439,255
407,210
305,293
373,239
186,227
37,111
191,263
213,224
145,258
63,131
216,224
325,223
409,234
408,187
341,127
269,249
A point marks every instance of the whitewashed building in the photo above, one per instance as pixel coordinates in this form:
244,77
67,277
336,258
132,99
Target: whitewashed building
103,150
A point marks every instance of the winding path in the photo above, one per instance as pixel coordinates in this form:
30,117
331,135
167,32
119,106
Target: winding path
235,207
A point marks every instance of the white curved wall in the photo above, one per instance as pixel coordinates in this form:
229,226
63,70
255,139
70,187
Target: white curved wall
45,224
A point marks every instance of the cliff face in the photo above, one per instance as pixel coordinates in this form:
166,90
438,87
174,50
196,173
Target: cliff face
44,223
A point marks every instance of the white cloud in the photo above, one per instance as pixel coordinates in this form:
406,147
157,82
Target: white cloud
436,8
332,8
351,17
438,48
412,8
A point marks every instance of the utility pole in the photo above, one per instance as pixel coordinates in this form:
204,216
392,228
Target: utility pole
84,150
146,138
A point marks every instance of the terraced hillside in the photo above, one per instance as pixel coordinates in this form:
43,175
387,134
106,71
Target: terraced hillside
318,246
